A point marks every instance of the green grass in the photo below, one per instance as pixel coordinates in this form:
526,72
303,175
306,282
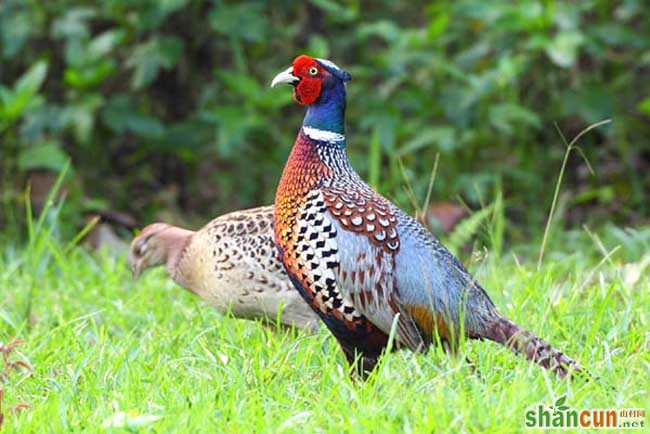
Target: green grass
100,344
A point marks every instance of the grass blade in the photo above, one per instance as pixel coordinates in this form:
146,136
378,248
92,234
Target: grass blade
556,193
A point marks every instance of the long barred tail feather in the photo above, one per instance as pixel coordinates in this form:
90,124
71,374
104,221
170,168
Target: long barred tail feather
523,342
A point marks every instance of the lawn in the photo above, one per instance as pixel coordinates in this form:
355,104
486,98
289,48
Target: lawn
106,351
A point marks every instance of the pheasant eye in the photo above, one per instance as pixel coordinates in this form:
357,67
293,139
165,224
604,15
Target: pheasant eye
313,71
140,248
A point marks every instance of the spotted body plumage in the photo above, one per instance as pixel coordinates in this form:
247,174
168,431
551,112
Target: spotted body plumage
362,212
231,263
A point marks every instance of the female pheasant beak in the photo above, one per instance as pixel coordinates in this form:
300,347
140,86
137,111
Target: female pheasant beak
136,259
285,77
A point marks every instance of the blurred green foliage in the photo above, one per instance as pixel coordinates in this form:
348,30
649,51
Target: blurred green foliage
166,104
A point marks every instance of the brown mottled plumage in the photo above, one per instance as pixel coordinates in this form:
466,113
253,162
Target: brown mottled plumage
231,263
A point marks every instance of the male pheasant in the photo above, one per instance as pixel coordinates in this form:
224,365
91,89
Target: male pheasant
231,263
362,263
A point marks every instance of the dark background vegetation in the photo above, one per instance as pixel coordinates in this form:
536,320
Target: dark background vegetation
164,109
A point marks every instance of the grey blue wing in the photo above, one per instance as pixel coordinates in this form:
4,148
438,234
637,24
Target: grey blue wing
429,276
366,277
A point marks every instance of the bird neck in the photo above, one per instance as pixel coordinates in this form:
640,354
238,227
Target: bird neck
173,242
325,119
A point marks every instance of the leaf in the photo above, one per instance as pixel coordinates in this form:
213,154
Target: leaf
563,49
80,116
385,125
13,103
169,6
234,125
560,401
31,81
591,102
644,106
384,29
89,64
244,85
509,69
149,57
318,46
467,228
46,119
121,115
46,155
616,34
186,139
505,117
146,126
437,26
105,43
242,21
442,136
336,11
116,113
73,24
85,77
15,30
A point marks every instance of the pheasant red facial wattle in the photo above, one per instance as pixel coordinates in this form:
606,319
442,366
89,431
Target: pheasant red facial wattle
310,85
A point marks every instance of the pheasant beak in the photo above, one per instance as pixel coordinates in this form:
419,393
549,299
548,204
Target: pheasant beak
285,77
136,268
136,265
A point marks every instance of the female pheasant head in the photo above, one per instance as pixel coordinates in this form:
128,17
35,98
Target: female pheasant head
157,244
318,84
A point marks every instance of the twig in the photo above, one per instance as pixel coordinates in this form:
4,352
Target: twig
409,190
432,178
569,147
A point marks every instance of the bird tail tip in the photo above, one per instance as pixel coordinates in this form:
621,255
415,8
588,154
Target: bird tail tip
535,349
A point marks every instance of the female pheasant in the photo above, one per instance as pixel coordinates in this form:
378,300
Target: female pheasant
359,261
231,263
